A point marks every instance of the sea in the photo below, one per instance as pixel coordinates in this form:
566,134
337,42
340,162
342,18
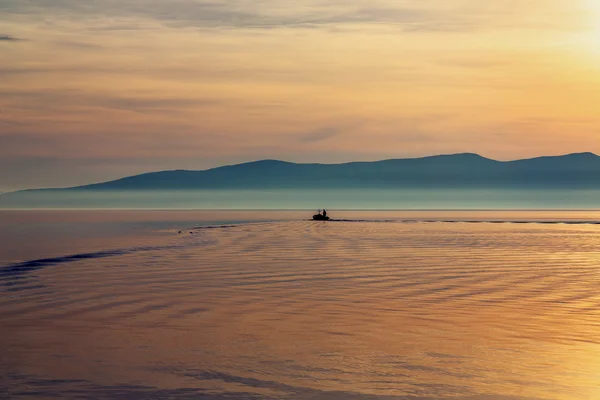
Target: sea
263,304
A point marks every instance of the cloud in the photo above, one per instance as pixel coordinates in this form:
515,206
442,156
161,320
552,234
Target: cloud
320,135
9,38
266,14
71,99
141,105
410,15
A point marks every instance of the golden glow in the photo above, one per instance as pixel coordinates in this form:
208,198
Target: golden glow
308,82
339,310
591,35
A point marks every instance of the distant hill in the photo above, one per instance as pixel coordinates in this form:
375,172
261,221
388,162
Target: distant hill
581,170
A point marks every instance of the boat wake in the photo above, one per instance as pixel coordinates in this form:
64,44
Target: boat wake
14,271
459,221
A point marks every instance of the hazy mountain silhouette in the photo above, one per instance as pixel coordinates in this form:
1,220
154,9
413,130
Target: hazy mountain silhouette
456,170
573,171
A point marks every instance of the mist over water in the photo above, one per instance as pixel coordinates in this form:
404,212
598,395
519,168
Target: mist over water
472,305
269,199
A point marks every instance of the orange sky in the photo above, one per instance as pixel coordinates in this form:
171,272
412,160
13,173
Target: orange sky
96,90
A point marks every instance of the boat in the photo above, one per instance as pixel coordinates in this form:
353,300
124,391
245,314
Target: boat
321,216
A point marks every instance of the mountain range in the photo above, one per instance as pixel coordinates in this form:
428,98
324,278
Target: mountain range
466,170
456,170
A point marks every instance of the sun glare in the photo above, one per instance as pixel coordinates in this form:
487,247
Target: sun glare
593,10
588,37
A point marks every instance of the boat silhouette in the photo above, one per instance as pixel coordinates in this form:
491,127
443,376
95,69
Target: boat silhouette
321,216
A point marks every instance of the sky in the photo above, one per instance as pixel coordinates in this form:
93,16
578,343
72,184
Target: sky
94,90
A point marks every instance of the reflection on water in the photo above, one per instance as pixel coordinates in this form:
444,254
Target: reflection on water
290,308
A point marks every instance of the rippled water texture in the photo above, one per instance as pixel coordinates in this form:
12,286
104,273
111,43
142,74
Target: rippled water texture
378,307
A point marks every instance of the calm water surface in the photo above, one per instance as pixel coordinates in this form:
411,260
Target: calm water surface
268,305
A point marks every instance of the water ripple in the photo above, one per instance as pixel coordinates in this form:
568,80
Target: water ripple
309,310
